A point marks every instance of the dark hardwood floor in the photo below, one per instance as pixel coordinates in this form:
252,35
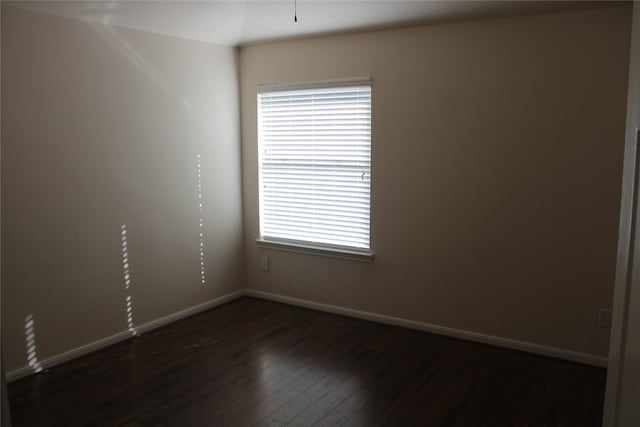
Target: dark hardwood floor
253,362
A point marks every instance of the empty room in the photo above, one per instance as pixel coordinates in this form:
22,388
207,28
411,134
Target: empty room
318,213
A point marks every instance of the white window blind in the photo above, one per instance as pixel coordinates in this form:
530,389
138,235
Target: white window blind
315,165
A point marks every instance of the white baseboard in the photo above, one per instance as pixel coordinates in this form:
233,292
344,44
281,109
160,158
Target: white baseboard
121,336
559,353
588,359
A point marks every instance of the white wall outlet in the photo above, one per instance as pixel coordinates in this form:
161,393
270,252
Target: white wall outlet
265,263
604,318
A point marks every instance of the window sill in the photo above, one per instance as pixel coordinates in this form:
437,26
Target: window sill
309,249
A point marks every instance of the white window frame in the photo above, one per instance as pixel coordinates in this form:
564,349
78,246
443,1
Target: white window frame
331,250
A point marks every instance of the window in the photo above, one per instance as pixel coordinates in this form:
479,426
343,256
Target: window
315,166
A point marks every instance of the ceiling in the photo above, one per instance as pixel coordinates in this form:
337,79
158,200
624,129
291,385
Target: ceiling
238,22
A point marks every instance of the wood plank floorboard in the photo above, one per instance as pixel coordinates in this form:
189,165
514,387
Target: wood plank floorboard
258,363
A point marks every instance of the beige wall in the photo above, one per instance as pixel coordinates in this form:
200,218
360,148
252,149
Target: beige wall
101,127
497,154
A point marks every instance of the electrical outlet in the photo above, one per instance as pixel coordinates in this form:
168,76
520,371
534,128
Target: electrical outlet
265,263
604,318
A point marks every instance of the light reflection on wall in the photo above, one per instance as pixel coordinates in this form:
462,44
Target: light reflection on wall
127,280
30,337
124,47
200,201
125,258
132,328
